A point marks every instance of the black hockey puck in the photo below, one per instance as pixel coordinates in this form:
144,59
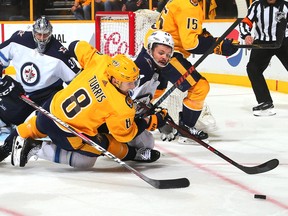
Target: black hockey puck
259,196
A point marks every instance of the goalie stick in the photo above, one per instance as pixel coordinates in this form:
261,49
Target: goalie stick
193,67
160,184
265,167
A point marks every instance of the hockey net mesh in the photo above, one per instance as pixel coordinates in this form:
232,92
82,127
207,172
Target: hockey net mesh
115,31
143,21
112,28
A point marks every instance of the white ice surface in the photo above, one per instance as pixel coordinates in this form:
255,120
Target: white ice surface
217,188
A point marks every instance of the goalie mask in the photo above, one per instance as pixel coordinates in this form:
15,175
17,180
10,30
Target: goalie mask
42,33
160,38
123,69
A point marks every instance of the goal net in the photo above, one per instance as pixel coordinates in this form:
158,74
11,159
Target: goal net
122,32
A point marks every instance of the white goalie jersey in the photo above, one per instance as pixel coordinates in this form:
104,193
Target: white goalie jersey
36,71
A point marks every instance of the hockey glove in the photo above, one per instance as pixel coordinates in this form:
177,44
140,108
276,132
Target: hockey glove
9,86
205,33
225,48
140,101
158,119
168,133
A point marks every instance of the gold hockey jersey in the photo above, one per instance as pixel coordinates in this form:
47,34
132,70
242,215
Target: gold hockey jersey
183,20
91,100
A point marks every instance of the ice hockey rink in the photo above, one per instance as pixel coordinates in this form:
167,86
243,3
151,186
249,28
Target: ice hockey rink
217,188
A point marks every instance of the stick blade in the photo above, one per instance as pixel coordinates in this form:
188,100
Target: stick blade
170,183
265,167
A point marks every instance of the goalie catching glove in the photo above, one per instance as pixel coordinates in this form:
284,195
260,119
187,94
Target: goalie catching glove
225,47
158,119
9,86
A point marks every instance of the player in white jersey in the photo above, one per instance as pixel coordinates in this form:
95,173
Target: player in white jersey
42,65
151,61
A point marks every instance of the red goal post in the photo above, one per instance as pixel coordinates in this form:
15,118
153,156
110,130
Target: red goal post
122,32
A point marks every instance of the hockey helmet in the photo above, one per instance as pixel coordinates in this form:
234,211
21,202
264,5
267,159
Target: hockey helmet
123,69
42,33
159,37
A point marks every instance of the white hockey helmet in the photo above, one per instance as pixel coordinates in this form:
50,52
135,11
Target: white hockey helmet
43,27
162,38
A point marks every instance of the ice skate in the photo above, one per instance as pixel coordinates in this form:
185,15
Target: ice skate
23,150
264,109
147,155
199,134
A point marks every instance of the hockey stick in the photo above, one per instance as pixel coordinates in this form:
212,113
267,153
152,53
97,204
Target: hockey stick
265,167
193,67
160,184
259,46
280,34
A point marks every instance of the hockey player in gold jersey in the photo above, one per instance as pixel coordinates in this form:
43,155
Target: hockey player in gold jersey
183,20
99,94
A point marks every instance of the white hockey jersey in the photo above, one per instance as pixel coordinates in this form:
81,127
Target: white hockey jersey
35,71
